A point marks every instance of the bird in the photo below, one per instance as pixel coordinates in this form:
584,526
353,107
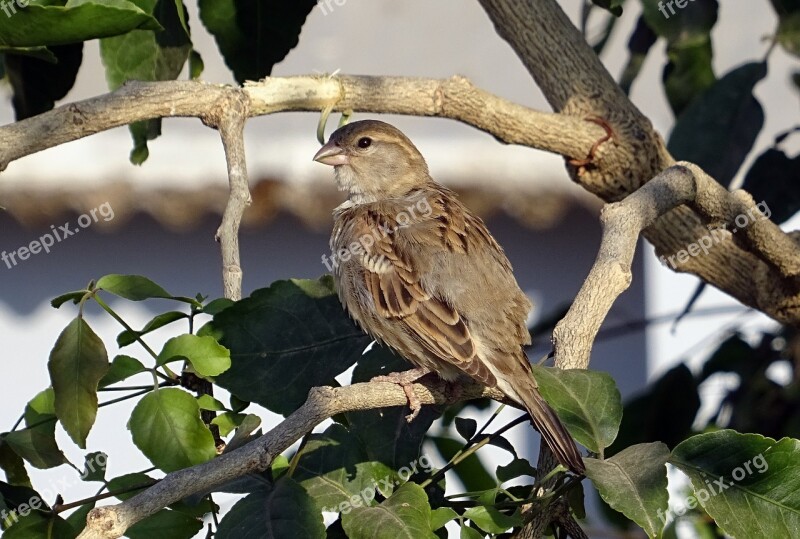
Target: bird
419,272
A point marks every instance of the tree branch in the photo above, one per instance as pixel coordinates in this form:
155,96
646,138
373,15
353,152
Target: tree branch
454,98
323,402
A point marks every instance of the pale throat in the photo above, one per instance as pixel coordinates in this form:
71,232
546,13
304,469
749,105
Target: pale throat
346,181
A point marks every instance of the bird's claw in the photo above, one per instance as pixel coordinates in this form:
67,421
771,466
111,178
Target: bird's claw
406,381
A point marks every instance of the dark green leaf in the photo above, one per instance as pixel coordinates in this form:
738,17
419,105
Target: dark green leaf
284,340
773,182
129,485
284,510
614,6
405,514
37,442
196,65
37,84
641,41
13,466
733,355
78,20
244,428
491,520
466,427
470,533
588,402
205,354
687,30
748,483
94,466
634,482
217,306
77,363
39,525
788,34
254,35
122,368
77,519
74,297
514,469
335,471
128,337
718,130
657,415
470,471
166,427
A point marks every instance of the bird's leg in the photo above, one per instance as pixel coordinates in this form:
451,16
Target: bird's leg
581,164
406,380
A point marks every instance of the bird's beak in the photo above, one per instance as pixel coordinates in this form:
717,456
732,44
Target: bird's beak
331,154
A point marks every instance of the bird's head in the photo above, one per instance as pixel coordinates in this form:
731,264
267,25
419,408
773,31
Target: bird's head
373,161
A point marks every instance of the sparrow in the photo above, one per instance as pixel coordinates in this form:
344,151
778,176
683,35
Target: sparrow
420,273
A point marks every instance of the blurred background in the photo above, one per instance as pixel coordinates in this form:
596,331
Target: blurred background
165,212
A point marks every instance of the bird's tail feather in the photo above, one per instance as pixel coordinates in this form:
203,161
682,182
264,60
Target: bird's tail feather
554,433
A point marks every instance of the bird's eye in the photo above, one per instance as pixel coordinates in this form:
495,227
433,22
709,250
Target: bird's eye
364,142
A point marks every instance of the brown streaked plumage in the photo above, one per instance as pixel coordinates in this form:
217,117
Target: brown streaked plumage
418,272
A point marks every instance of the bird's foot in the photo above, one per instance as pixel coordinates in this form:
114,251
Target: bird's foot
406,380
581,164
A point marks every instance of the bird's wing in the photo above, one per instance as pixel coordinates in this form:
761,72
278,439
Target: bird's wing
394,284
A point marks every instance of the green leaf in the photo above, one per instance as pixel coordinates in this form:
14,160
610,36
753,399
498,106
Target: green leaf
772,180
39,525
718,130
748,483
77,363
207,402
132,287
441,516
227,421
122,368
466,427
38,83
470,533
271,28
129,485
217,306
37,442
335,471
490,520
244,426
166,427
514,469
588,402
206,355
150,56
405,514
94,466
284,340
634,482
78,20
284,510
74,297
129,337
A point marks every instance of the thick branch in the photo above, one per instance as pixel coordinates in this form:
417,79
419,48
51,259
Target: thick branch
323,402
454,98
610,275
